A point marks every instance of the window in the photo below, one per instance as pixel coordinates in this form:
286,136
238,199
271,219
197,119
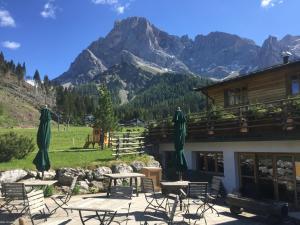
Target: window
295,85
210,162
236,96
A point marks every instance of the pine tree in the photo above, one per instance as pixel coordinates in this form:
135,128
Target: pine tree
46,84
37,77
104,115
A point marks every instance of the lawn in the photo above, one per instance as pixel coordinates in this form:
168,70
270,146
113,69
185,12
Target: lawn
66,150
73,137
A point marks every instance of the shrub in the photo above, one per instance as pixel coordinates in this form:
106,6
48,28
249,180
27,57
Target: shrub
76,190
49,190
14,146
1,109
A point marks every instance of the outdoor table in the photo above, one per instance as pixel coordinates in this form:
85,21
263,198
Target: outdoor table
38,183
131,176
105,209
174,188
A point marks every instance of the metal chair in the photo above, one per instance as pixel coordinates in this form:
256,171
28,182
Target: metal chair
214,194
62,200
14,195
197,195
122,193
154,199
36,204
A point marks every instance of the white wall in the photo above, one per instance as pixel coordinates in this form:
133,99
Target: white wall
231,180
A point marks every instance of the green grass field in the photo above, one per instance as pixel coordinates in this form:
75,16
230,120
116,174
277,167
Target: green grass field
66,150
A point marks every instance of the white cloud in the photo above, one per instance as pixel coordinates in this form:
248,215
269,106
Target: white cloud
120,9
118,6
11,45
6,19
49,10
105,2
270,3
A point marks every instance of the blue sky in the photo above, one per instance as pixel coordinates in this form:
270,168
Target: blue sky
49,34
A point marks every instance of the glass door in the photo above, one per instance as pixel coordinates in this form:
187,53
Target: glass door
265,176
285,178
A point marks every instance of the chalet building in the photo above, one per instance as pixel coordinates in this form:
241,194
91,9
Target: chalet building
249,134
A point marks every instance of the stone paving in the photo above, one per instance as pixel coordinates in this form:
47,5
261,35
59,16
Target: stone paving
138,217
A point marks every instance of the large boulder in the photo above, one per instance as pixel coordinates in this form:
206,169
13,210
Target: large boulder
48,175
97,186
137,166
121,168
98,173
12,175
66,175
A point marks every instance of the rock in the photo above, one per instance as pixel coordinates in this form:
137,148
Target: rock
137,166
153,163
89,175
121,168
48,175
66,175
31,174
98,173
83,185
12,175
97,186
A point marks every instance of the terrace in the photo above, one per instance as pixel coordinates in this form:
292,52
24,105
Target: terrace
261,121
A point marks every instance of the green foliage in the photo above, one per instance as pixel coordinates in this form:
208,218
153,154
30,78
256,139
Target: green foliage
49,191
76,190
15,146
161,97
104,114
1,109
258,111
75,103
9,66
219,113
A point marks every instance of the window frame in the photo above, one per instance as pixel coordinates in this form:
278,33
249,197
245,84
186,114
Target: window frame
291,79
206,162
242,96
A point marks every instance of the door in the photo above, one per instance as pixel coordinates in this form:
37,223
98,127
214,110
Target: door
285,178
265,176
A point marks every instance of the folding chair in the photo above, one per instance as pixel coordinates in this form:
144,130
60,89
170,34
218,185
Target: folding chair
62,200
36,204
154,200
197,195
122,193
14,195
214,194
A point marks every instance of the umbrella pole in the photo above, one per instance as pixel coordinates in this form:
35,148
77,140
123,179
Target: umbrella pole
43,175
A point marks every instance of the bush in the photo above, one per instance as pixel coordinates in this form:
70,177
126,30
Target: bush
14,146
1,109
49,190
76,190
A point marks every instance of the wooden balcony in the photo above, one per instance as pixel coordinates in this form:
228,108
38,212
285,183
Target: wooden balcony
277,120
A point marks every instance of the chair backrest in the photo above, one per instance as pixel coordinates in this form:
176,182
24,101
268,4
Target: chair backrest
216,183
197,189
71,189
14,191
121,192
147,185
36,202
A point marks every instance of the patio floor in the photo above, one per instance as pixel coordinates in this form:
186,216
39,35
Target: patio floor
138,217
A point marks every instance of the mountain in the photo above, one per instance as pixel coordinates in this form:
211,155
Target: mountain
138,42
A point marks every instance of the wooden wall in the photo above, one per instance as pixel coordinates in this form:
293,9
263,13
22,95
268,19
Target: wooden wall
270,86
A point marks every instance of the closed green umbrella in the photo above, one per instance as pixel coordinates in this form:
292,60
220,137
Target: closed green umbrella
179,140
41,160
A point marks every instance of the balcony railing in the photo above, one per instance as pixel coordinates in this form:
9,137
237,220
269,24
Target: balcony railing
269,120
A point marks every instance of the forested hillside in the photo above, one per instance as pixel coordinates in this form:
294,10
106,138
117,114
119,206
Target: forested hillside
163,95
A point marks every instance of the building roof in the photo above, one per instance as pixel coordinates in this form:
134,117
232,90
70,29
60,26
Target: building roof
251,74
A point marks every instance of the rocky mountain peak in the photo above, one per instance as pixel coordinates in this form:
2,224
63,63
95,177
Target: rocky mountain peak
138,42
